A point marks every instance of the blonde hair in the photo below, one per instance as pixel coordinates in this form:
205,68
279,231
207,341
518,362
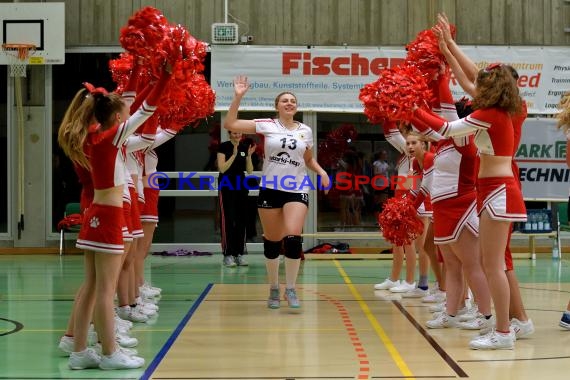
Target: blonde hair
420,138
564,115
73,129
84,110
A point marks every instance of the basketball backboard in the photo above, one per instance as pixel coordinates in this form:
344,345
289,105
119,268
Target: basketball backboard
41,24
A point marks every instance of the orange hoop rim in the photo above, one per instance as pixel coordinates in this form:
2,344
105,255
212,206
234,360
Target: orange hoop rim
22,49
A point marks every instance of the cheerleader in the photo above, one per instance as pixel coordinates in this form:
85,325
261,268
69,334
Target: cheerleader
101,235
499,199
465,71
396,138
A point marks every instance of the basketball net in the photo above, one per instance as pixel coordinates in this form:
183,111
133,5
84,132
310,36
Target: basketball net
18,57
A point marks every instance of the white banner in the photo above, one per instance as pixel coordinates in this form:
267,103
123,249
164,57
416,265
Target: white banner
542,161
329,79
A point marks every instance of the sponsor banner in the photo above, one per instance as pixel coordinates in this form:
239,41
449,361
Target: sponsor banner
541,158
329,79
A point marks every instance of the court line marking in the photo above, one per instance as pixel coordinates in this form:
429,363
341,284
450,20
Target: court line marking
359,350
396,357
168,344
514,360
444,355
17,327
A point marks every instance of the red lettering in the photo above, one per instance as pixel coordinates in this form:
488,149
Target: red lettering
523,81
378,64
353,64
306,64
359,65
398,182
415,180
290,61
534,80
395,62
375,179
343,181
360,179
321,66
338,69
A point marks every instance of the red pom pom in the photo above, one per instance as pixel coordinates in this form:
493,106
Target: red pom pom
121,70
395,94
399,222
424,53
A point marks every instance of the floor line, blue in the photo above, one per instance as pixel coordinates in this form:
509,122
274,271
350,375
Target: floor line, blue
164,350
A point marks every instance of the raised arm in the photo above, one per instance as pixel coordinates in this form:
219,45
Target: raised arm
462,77
231,121
394,136
465,63
145,111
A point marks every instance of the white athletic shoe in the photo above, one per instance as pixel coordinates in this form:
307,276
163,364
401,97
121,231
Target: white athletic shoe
438,307
494,341
478,323
404,287
522,329
442,321
415,293
435,296
120,360
387,284
470,314
85,359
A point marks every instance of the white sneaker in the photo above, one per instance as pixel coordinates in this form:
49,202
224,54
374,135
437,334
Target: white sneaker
439,307
147,305
85,359
387,284
522,329
435,296
66,345
404,287
148,292
124,340
129,351
494,341
489,329
469,313
147,285
415,293
148,295
131,314
459,313
442,321
144,310
123,323
120,360
478,323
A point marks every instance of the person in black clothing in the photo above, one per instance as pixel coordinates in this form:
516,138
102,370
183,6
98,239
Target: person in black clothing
234,158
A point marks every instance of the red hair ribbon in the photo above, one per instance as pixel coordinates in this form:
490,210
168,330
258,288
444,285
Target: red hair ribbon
95,90
493,66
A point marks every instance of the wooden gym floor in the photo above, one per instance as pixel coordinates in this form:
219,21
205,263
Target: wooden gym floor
213,324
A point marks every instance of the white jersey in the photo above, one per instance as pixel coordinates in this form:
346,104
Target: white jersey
284,164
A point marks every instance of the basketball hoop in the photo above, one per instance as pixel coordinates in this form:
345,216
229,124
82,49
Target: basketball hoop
18,57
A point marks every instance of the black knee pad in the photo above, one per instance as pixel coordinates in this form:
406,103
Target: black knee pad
271,249
293,245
